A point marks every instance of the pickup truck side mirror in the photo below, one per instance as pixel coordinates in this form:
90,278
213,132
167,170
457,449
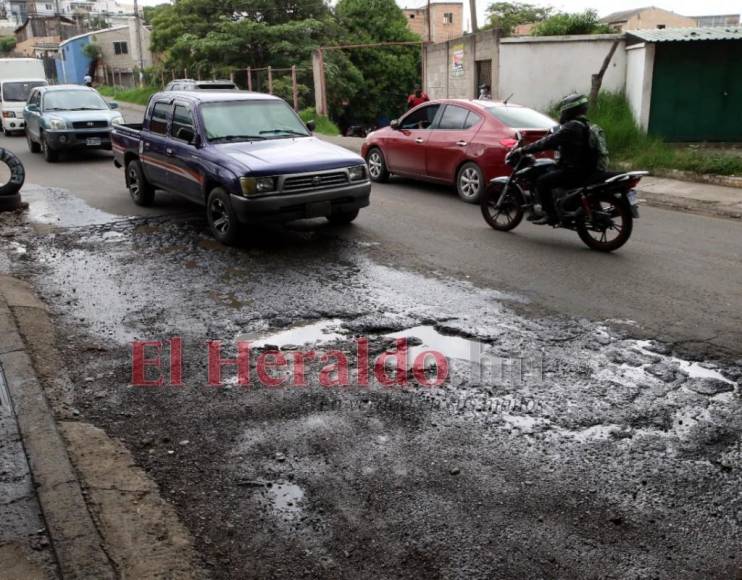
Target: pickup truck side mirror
113,105
394,124
311,125
187,134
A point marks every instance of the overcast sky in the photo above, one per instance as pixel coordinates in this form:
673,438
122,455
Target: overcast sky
685,7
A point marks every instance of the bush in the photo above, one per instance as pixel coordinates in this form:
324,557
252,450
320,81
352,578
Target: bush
324,125
138,96
628,143
564,23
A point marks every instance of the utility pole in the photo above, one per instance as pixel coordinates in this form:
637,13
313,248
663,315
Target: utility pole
473,8
427,17
140,53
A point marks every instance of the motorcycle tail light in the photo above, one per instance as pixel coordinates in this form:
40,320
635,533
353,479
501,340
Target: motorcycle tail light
508,143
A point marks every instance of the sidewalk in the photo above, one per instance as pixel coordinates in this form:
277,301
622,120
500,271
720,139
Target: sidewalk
661,192
654,191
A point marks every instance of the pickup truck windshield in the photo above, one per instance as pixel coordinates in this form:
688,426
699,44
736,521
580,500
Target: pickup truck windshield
18,92
251,120
73,101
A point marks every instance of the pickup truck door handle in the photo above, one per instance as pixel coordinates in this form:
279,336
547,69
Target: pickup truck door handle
461,143
419,140
169,151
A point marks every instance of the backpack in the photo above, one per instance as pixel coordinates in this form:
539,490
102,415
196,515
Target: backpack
597,144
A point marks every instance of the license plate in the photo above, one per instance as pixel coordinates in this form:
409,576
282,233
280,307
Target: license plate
93,142
632,198
319,209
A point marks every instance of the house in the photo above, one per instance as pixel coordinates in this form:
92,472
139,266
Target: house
43,33
684,84
646,18
446,20
717,20
19,10
120,60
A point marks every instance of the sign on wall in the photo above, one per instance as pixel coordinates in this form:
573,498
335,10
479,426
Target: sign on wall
457,60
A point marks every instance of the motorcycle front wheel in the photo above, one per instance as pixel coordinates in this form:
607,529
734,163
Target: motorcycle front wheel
610,226
510,213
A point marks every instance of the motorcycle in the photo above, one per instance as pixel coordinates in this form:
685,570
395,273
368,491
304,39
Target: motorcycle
601,212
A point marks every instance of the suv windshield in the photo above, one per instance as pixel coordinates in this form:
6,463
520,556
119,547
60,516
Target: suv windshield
251,120
73,100
521,117
18,92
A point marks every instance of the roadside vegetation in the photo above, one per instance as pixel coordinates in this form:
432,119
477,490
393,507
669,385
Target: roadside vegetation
138,96
324,126
629,144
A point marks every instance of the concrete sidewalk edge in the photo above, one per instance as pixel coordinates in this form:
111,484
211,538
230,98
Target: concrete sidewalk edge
75,539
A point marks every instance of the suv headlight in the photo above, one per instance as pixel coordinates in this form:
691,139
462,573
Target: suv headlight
117,120
55,123
357,173
257,185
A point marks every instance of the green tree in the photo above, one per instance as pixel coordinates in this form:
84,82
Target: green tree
387,73
508,15
7,44
565,23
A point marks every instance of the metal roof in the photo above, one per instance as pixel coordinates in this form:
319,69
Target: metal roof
687,34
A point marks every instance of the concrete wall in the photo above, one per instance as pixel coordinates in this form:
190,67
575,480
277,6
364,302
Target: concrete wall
440,30
441,81
538,71
131,59
639,72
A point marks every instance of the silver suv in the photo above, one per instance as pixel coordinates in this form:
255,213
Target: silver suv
191,85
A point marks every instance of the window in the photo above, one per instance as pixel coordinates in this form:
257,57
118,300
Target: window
412,16
120,47
453,118
521,117
48,6
250,120
182,119
448,18
19,91
420,119
158,121
471,120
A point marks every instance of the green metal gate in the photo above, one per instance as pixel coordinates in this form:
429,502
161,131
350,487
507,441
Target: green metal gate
697,91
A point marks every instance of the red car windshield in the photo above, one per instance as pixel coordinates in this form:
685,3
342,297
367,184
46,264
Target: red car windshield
521,117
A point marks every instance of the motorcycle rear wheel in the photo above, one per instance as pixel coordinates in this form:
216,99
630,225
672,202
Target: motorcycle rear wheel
610,227
510,213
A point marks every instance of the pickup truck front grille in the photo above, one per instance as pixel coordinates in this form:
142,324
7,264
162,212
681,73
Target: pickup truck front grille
319,181
89,124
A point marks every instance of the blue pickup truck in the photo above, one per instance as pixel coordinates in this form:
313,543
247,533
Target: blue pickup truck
247,157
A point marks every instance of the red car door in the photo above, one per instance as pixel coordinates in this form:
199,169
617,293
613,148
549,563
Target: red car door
405,147
449,141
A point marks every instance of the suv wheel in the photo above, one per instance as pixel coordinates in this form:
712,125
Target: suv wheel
222,219
50,155
33,146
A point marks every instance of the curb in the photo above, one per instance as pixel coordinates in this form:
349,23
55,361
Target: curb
671,202
75,539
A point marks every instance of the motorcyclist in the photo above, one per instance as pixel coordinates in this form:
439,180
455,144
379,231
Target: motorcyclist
87,81
576,161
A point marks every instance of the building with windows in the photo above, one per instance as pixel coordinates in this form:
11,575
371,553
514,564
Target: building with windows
17,11
646,18
714,20
446,20
119,62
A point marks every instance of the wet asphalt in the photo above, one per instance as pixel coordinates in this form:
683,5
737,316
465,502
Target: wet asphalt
599,438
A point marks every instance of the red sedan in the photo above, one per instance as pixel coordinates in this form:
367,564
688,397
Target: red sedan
452,141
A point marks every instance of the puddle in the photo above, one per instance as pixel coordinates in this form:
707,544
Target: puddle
285,499
57,207
695,370
452,347
320,332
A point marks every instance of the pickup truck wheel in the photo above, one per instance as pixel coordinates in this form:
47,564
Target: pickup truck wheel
140,190
222,219
33,146
344,217
50,155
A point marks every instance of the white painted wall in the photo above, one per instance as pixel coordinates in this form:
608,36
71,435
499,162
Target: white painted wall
539,71
639,70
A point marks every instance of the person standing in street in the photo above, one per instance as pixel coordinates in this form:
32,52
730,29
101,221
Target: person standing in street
417,98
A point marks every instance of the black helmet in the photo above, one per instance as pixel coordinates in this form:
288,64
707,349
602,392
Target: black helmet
572,106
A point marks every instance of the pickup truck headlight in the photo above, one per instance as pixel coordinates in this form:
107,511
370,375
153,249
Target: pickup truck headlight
117,120
357,173
56,124
257,185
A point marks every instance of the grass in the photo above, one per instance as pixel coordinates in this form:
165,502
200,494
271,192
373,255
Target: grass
138,96
627,143
324,125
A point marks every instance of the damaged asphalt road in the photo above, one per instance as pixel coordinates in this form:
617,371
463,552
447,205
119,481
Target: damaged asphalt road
586,449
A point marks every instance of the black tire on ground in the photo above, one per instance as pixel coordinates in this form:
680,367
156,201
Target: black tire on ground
17,173
221,216
50,155
510,213
622,225
377,169
33,146
10,202
470,182
141,191
344,217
